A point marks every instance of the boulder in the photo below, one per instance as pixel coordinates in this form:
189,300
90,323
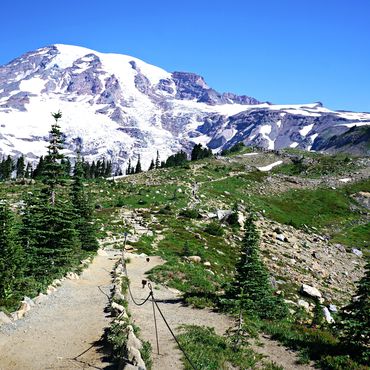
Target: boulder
4,319
281,237
310,291
304,304
28,300
357,252
207,264
195,259
222,214
117,307
328,317
333,308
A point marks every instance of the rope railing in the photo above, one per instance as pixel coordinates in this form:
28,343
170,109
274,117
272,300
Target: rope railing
155,306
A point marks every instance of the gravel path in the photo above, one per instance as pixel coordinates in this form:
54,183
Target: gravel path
70,321
177,314
174,311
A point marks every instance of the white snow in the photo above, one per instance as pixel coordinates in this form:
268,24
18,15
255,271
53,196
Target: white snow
249,154
313,137
294,144
305,130
34,85
278,123
361,123
345,180
270,166
265,130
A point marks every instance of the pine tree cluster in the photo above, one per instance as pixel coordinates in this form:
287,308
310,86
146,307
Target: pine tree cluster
199,152
54,229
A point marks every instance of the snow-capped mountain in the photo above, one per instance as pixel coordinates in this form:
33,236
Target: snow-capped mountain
120,106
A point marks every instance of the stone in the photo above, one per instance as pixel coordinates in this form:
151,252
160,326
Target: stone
304,304
333,308
281,237
132,340
195,259
50,290
341,248
134,356
117,307
40,298
28,300
357,252
311,291
207,264
4,319
222,214
328,317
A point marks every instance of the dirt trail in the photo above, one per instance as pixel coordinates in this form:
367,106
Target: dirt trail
67,323
177,314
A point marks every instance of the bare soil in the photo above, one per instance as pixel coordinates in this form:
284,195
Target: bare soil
66,330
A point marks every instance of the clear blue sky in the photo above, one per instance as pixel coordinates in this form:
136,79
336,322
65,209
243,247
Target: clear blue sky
283,51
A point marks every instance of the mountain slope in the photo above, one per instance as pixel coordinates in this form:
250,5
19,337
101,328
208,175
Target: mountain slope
120,107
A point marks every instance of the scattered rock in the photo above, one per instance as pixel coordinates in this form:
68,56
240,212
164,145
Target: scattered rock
328,317
304,304
357,252
195,259
29,301
311,291
281,237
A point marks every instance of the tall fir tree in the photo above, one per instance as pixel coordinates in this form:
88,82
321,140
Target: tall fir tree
48,233
20,168
128,171
354,325
151,166
251,285
157,161
54,170
84,210
11,255
138,165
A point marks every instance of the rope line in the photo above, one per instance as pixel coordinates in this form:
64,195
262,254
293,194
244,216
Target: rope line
133,299
172,333
155,304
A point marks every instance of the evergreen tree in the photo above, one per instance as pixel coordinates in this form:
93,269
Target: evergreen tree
84,211
157,161
54,172
48,236
128,171
354,325
199,152
11,255
6,168
28,173
251,284
138,165
20,168
39,170
152,165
